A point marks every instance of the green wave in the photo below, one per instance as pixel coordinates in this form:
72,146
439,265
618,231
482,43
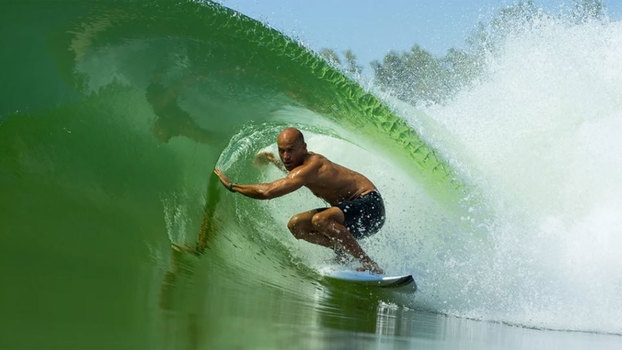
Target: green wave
121,109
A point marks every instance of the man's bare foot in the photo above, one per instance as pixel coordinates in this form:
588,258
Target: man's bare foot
342,257
371,266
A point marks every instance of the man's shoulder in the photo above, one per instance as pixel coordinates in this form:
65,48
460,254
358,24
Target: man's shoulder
316,160
316,157
311,164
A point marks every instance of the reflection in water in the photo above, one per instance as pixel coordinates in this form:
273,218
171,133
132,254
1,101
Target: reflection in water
172,120
204,303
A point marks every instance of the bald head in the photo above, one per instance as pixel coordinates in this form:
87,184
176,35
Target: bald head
292,148
291,135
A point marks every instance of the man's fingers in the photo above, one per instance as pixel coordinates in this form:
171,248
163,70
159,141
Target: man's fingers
223,179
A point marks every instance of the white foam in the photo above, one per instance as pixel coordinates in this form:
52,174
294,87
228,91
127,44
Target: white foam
542,138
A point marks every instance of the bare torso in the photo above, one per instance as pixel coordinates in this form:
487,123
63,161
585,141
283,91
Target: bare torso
332,182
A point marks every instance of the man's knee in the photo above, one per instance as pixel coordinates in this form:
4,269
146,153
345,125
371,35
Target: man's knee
291,224
294,226
327,218
320,222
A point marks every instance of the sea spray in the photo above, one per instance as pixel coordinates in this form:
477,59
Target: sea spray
540,134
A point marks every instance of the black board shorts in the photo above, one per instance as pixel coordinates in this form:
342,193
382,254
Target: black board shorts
364,215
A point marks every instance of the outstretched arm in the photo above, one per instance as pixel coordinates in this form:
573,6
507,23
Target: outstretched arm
270,190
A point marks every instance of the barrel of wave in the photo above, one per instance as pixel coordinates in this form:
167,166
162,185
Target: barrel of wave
412,216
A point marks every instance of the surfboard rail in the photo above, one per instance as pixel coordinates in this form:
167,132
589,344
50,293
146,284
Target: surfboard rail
371,280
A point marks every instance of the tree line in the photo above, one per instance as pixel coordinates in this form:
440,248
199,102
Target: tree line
418,77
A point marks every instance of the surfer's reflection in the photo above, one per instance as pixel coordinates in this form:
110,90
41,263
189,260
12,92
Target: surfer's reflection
172,120
176,321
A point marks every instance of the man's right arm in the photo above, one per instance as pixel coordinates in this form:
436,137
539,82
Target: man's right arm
270,190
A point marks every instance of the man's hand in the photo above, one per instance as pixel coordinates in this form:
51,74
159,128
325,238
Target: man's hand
265,157
223,178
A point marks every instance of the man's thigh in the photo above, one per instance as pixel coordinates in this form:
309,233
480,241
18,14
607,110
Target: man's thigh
330,214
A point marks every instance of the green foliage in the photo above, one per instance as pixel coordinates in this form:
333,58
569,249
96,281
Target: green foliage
418,77
413,75
350,65
330,56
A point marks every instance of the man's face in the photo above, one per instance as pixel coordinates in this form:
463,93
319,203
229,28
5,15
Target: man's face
291,151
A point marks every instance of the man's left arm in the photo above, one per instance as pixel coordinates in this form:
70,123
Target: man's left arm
265,157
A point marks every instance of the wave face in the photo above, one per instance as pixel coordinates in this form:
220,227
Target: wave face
118,113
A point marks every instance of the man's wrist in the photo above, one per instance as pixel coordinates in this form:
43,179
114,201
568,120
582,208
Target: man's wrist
230,187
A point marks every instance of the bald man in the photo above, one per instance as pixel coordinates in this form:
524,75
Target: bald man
356,207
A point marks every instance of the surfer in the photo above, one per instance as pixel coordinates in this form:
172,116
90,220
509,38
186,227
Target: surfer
356,208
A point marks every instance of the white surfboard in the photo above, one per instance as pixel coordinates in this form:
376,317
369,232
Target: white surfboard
404,282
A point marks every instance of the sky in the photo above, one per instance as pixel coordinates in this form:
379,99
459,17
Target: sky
373,28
